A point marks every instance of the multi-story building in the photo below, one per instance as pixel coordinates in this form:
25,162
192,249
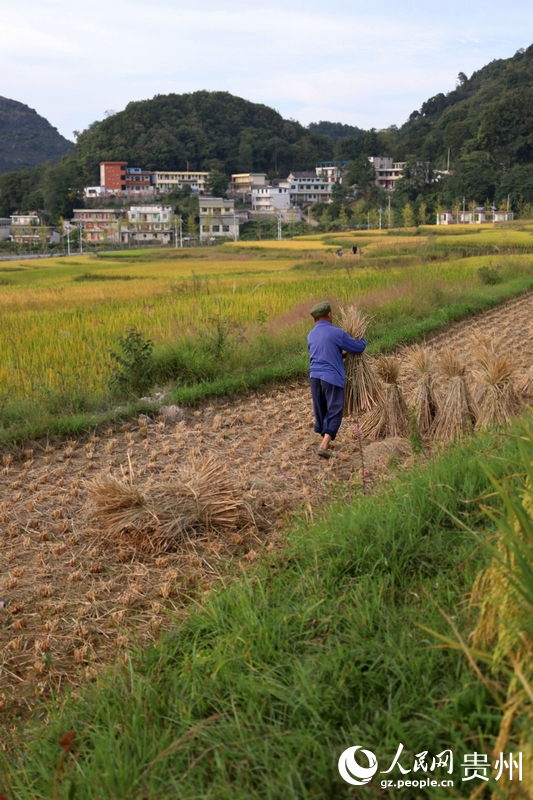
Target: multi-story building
306,188
273,198
331,171
165,181
25,228
118,179
243,183
387,171
217,218
99,225
148,224
5,224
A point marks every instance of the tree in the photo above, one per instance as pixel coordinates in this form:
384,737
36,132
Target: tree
191,227
343,218
422,214
461,78
217,183
408,216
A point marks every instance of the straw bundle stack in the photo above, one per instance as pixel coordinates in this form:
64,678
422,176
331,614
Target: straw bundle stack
394,419
497,397
525,385
362,391
200,500
457,414
424,400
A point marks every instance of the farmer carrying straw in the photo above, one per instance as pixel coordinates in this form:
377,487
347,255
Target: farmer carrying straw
326,344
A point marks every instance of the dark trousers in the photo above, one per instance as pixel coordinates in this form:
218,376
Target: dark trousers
328,402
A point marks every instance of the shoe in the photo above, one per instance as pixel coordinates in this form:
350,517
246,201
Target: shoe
323,453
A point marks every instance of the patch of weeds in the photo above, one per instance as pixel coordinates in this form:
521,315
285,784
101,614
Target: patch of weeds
489,276
92,276
133,364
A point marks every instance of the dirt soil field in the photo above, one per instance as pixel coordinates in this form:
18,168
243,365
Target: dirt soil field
72,599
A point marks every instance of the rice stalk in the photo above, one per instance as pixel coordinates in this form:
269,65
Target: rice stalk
423,398
362,391
525,385
497,397
200,500
457,414
391,419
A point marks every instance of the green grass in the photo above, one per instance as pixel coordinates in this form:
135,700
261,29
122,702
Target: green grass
259,691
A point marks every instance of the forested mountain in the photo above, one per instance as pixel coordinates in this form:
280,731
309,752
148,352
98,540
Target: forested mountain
206,130
26,138
336,130
487,124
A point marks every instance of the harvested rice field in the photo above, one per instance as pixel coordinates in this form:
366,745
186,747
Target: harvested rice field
95,553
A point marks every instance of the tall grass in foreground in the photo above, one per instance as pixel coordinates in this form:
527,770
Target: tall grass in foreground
258,692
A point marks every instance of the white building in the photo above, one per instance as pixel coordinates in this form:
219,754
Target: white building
387,171
306,188
98,225
217,218
5,224
271,199
25,228
331,171
165,181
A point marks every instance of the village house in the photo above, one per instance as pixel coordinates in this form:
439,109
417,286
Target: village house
5,224
217,218
387,171
306,189
166,181
272,198
98,225
331,171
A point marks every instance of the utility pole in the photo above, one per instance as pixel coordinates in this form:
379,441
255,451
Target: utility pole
464,204
279,218
181,231
368,220
448,159
380,213
389,211
68,237
81,238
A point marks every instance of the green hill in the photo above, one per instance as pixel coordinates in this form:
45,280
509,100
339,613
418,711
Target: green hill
487,125
206,130
26,138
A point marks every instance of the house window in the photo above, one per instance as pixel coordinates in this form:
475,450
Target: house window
216,228
205,227
225,228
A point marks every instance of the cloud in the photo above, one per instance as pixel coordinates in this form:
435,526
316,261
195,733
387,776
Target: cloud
370,67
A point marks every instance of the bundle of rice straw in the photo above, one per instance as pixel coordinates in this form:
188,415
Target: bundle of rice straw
200,500
457,414
362,392
391,419
497,398
424,400
525,385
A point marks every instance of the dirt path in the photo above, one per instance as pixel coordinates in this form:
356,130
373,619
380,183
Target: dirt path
75,602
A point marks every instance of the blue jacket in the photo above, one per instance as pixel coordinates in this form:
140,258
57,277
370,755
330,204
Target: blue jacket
325,344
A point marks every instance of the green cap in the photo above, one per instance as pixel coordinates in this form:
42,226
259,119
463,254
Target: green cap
321,309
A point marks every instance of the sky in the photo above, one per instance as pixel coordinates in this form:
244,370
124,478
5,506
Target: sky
347,61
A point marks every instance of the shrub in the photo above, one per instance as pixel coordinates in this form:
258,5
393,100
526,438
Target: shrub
133,369
489,275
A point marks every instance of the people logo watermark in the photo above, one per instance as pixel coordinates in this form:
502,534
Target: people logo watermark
427,770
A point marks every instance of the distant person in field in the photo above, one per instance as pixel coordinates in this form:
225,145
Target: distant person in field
354,249
339,251
326,344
